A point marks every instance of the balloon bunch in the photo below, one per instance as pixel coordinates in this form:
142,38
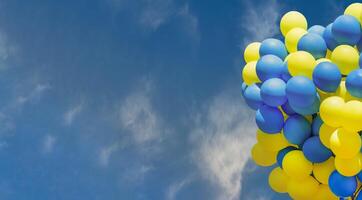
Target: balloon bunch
307,93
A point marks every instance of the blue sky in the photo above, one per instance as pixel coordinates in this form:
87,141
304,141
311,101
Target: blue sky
132,100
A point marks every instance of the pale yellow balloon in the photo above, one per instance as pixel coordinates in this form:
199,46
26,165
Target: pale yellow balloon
345,144
352,115
292,19
331,111
325,133
263,157
325,193
346,58
296,165
328,54
249,73
251,52
303,189
292,38
355,10
301,63
348,167
322,171
278,180
271,142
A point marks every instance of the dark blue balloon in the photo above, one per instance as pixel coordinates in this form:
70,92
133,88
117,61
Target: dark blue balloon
252,97
346,29
342,186
359,176
314,44
286,75
269,66
269,119
288,109
301,91
329,39
273,92
309,109
297,129
359,47
282,153
327,77
317,29
315,151
316,125
354,83
359,196
274,47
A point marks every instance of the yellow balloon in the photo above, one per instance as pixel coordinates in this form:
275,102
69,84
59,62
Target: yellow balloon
296,165
292,19
271,142
325,193
331,109
348,167
328,54
346,58
345,144
305,189
249,73
322,171
323,95
320,60
301,63
352,115
325,133
292,38
278,180
355,10
251,52
262,157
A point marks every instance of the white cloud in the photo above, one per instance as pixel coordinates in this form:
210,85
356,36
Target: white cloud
176,187
33,95
72,113
222,138
259,21
49,142
106,153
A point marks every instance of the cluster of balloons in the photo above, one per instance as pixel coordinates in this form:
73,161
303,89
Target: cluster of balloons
307,93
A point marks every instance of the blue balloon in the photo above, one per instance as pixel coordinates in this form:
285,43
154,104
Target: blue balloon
315,151
273,92
243,88
359,47
309,109
301,91
317,29
342,186
269,119
281,154
316,125
327,77
359,196
359,176
269,66
354,83
329,39
274,47
252,97
297,129
314,44
288,109
346,29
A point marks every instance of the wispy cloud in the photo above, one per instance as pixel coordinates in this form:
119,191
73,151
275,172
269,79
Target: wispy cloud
72,113
222,138
34,94
48,144
106,152
259,21
176,187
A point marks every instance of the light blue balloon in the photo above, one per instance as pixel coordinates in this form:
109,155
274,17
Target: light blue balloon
314,44
354,83
329,39
327,77
252,97
297,129
316,125
301,91
274,47
315,151
269,66
342,186
286,75
273,92
346,29
309,109
317,29
243,88
269,119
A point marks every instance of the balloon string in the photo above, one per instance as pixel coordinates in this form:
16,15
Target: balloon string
356,193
